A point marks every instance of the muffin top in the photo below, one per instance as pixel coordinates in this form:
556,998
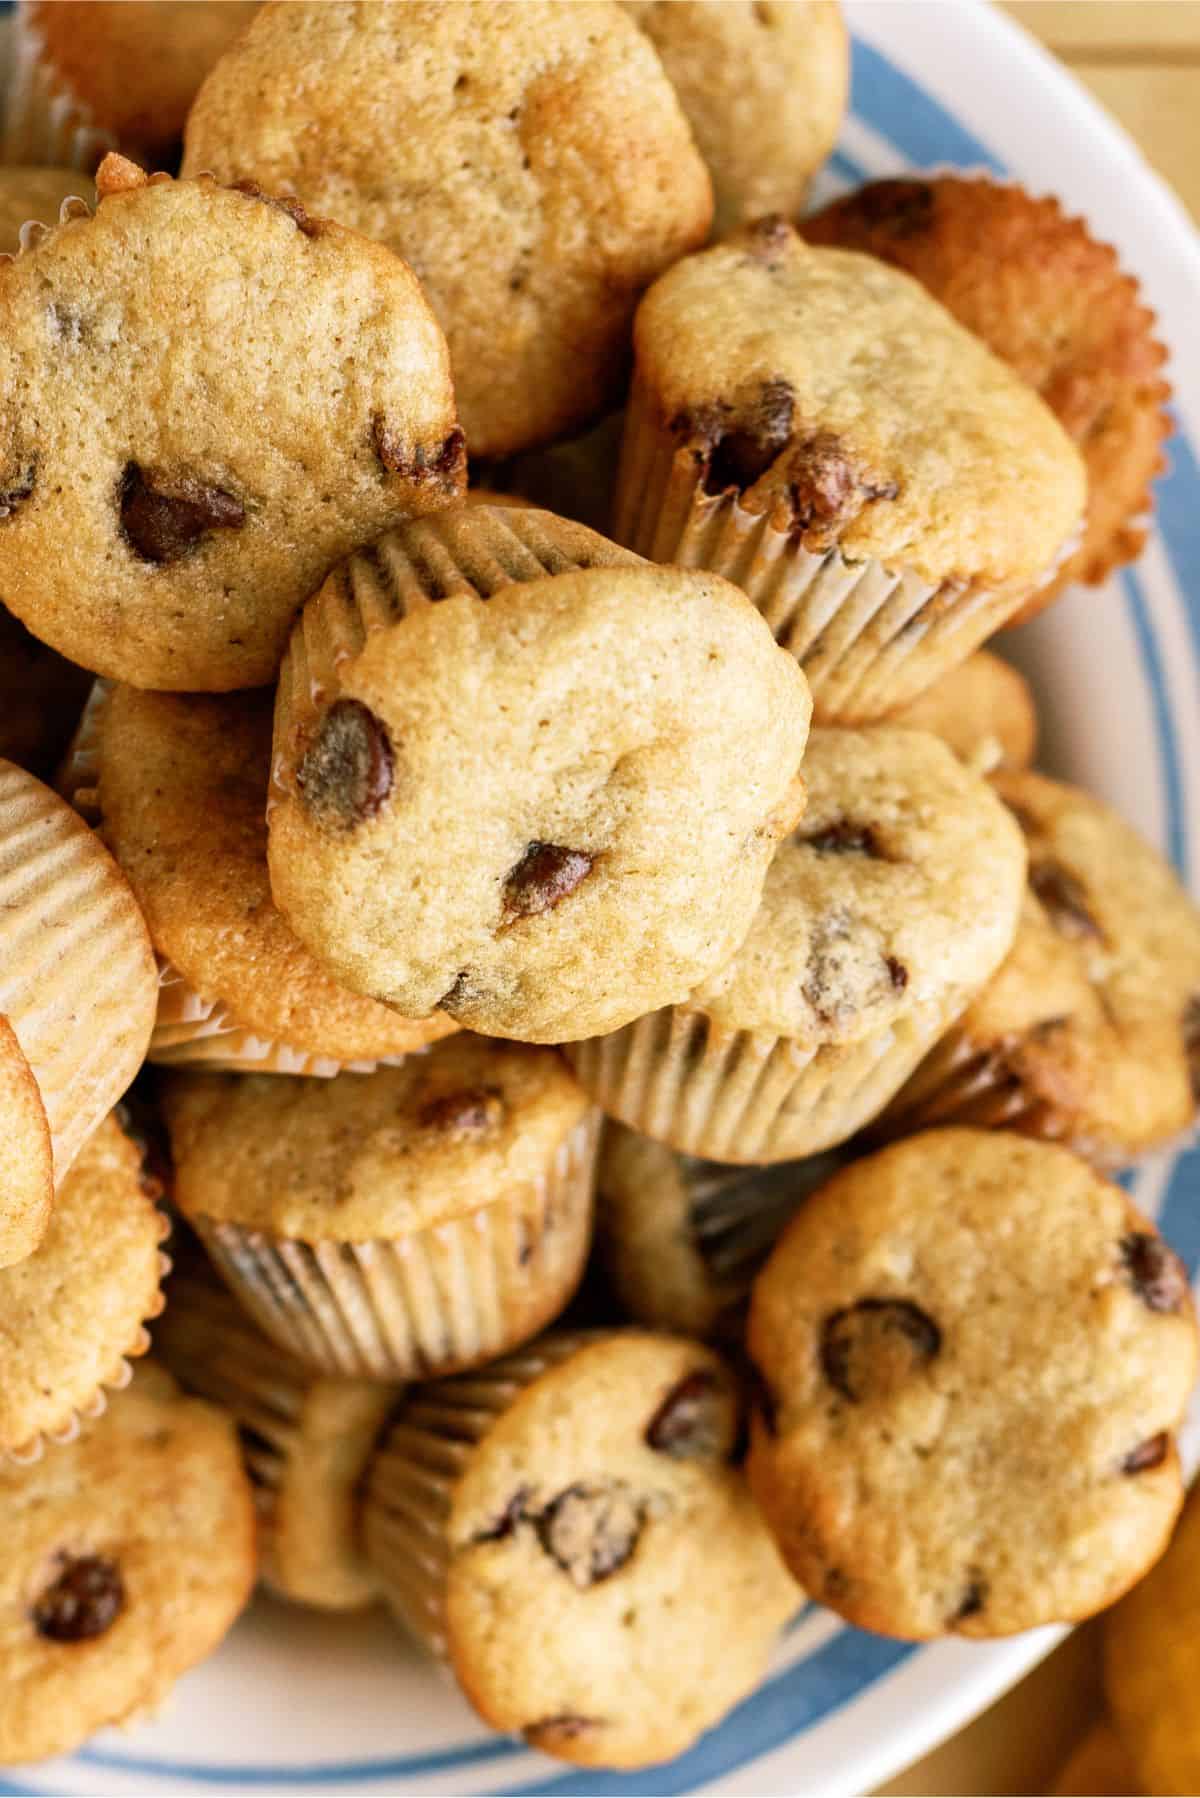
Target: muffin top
983,709
37,193
1096,1011
306,1439
71,1311
127,1556
600,1512
900,890
530,208
551,809
974,1352
183,790
169,504
136,64
763,84
26,1158
830,391
370,1155
1054,304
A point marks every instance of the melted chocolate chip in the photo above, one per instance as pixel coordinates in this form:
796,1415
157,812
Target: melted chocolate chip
1065,900
897,972
470,1112
163,517
870,1348
282,203
1154,1271
1147,1455
85,1600
348,769
590,1530
844,838
565,1728
544,876
973,1600
898,207
742,455
691,1422
1191,1043
512,1514
19,488
834,1584
445,466
826,488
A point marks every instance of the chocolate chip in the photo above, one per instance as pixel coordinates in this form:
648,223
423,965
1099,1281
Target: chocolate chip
282,203
1147,1455
445,466
844,837
565,1728
826,488
165,516
870,1348
834,1585
1191,1043
348,769
897,972
505,1525
898,207
85,1600
470,1112
19,488
543,877
742,455
1065,900
1154,1271
590,1530
692,1421
973,1600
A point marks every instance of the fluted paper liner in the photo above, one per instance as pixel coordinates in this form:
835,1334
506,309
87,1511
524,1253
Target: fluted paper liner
410,1484
869,638
77,980
44,122
441,1299
78,778
748,1096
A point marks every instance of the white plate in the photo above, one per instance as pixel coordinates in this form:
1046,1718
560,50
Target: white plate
298,1704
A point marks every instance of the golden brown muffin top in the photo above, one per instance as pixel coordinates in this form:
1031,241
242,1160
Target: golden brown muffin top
983,710
1053,303
530,161
183,792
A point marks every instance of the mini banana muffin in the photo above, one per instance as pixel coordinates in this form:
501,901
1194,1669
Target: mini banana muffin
39,194
1152,1664
682,1239
811,424
41,697
974,1353
530,203
1054,304
547,801
983,709
73,1312
127,1557
95,75
78,988
881,918
409,1222
182,798
763,84
306,1440
1089,1033
566,1529
167,504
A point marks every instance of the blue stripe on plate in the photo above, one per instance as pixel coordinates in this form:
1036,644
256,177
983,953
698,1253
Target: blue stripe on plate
414,1766
911,120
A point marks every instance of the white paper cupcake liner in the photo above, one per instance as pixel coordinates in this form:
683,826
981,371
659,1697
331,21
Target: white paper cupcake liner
441,1299
78,778
747,1096
44,122
868,637
410,1484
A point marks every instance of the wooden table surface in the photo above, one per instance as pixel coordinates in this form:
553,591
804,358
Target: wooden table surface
1141,59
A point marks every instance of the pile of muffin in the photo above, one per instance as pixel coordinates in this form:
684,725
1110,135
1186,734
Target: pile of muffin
633,847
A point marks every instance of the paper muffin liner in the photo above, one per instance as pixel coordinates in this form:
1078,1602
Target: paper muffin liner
76,980
224,1359
869,638
747,1096
469,549
44,121
118,1376
410,1484
438,1300
78,779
